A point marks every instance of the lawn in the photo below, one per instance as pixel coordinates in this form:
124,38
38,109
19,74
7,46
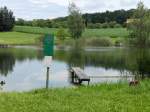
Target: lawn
109,32
18,38
94,36
35,30
99,98
25,35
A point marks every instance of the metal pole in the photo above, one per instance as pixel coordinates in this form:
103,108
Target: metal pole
47,78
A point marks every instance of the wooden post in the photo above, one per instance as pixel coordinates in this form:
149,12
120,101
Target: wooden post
47,78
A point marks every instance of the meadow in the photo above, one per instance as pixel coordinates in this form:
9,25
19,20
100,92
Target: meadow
118,97
109,32
25,35
18,38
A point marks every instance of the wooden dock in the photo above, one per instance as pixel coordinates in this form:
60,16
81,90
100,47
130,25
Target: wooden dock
79,75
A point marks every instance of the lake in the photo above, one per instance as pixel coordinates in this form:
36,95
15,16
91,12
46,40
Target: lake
22,68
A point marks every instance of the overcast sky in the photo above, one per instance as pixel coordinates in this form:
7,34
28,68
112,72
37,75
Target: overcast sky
36,9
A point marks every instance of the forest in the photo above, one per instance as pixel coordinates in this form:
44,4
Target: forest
108,19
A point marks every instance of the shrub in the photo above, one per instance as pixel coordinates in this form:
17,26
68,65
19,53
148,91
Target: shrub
91,26
112,24
118,43
117,26
105,25
99,42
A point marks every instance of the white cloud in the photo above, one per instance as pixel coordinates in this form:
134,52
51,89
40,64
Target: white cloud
30,9
46,2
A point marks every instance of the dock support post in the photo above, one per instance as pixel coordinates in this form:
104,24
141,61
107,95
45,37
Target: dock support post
47,78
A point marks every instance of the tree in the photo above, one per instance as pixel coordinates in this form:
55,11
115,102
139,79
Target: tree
7,20
140,26
75,22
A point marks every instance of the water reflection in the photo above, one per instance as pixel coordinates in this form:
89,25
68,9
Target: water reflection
7,61
8,58
22,68
142,65
127,61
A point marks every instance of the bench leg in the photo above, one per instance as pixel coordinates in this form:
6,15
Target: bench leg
79,81
88,82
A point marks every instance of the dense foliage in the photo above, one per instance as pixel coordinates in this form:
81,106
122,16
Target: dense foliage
106,19
140,26
119,16
7,19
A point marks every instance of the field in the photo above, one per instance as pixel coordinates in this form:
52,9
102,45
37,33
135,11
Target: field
18,38
35,30
109,32
99,98
24,35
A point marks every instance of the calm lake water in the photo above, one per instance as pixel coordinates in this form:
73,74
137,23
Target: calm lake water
22,68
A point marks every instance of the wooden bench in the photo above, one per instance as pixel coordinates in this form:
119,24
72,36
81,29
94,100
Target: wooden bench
79,74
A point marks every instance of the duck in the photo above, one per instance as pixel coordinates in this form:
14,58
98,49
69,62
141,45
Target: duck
2,83
133,83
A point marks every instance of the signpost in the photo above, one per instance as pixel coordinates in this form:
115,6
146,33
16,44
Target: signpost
48,49
48,45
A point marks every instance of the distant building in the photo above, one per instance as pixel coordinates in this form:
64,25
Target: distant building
130,21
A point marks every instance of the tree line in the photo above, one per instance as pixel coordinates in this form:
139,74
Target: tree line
106,19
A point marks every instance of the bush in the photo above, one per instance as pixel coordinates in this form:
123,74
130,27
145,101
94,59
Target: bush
98,25
105,25
94,26
118,43
112,24
91,26
117,26
99,42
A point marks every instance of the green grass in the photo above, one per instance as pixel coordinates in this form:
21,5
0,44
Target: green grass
35,30
99,98
17,38
25,35
109,32
112,34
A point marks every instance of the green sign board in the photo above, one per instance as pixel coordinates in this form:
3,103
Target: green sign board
48,45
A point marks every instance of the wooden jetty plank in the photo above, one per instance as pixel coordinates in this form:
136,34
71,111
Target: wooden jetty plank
80,75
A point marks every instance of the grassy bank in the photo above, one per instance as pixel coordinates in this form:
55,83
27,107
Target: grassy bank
18,38
24,35
101,98
109,32
92,37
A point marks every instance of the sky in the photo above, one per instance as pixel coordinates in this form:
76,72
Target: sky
49,9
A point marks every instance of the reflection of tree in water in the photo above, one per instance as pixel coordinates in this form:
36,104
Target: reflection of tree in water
76,58
7,61
135,61
9,56
142,67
